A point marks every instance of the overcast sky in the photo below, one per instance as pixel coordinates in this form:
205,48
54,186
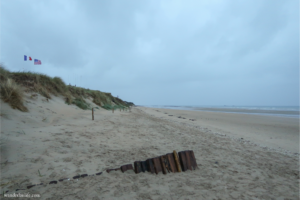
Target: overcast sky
157,52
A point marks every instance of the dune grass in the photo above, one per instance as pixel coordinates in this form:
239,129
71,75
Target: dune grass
14,84
81,103
12,93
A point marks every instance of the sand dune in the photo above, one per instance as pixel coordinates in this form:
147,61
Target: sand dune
62,141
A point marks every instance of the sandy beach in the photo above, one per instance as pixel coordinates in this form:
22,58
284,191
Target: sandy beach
270,131
239,156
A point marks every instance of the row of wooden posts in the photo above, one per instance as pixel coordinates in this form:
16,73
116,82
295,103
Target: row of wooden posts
113,109
171,162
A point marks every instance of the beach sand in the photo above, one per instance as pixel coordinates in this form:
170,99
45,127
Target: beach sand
61,141
266,130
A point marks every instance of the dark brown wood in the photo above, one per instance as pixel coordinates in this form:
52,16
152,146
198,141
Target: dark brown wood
83,175
76,177
144,166
109,170
182,160
163,165
170,158
30,186
150,166
60,180
126,167
92,113
177,161
167,164
137,167
147,166
193,159
157,165
188,160
190,157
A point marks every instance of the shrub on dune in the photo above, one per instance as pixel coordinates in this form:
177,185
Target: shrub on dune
81,103
59,85
12,94
68,98
42,90
3,74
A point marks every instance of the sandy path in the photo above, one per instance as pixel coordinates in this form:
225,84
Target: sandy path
70,143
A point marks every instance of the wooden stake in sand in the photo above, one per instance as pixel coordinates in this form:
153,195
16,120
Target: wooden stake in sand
112,110
92,113
177,161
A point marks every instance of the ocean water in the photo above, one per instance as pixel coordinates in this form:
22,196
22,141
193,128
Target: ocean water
283,111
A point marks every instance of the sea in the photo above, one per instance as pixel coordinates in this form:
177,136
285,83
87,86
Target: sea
281,111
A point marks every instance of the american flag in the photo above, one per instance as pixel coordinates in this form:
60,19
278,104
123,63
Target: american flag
37,62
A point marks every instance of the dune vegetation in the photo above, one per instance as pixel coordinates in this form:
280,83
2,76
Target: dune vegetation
15,84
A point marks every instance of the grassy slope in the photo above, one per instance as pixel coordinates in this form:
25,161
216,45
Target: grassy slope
12,83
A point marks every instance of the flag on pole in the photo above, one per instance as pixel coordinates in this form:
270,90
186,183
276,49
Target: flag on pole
37,62
25,58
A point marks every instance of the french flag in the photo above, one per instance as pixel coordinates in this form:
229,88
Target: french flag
25,58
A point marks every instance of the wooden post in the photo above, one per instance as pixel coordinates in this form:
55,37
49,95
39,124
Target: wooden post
177,161
92,113
112,110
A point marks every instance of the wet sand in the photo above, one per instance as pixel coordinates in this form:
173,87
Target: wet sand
252,111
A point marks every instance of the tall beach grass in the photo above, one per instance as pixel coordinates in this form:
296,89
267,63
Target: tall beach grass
14,84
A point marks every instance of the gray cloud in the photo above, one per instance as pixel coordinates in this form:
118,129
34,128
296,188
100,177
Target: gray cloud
161,52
